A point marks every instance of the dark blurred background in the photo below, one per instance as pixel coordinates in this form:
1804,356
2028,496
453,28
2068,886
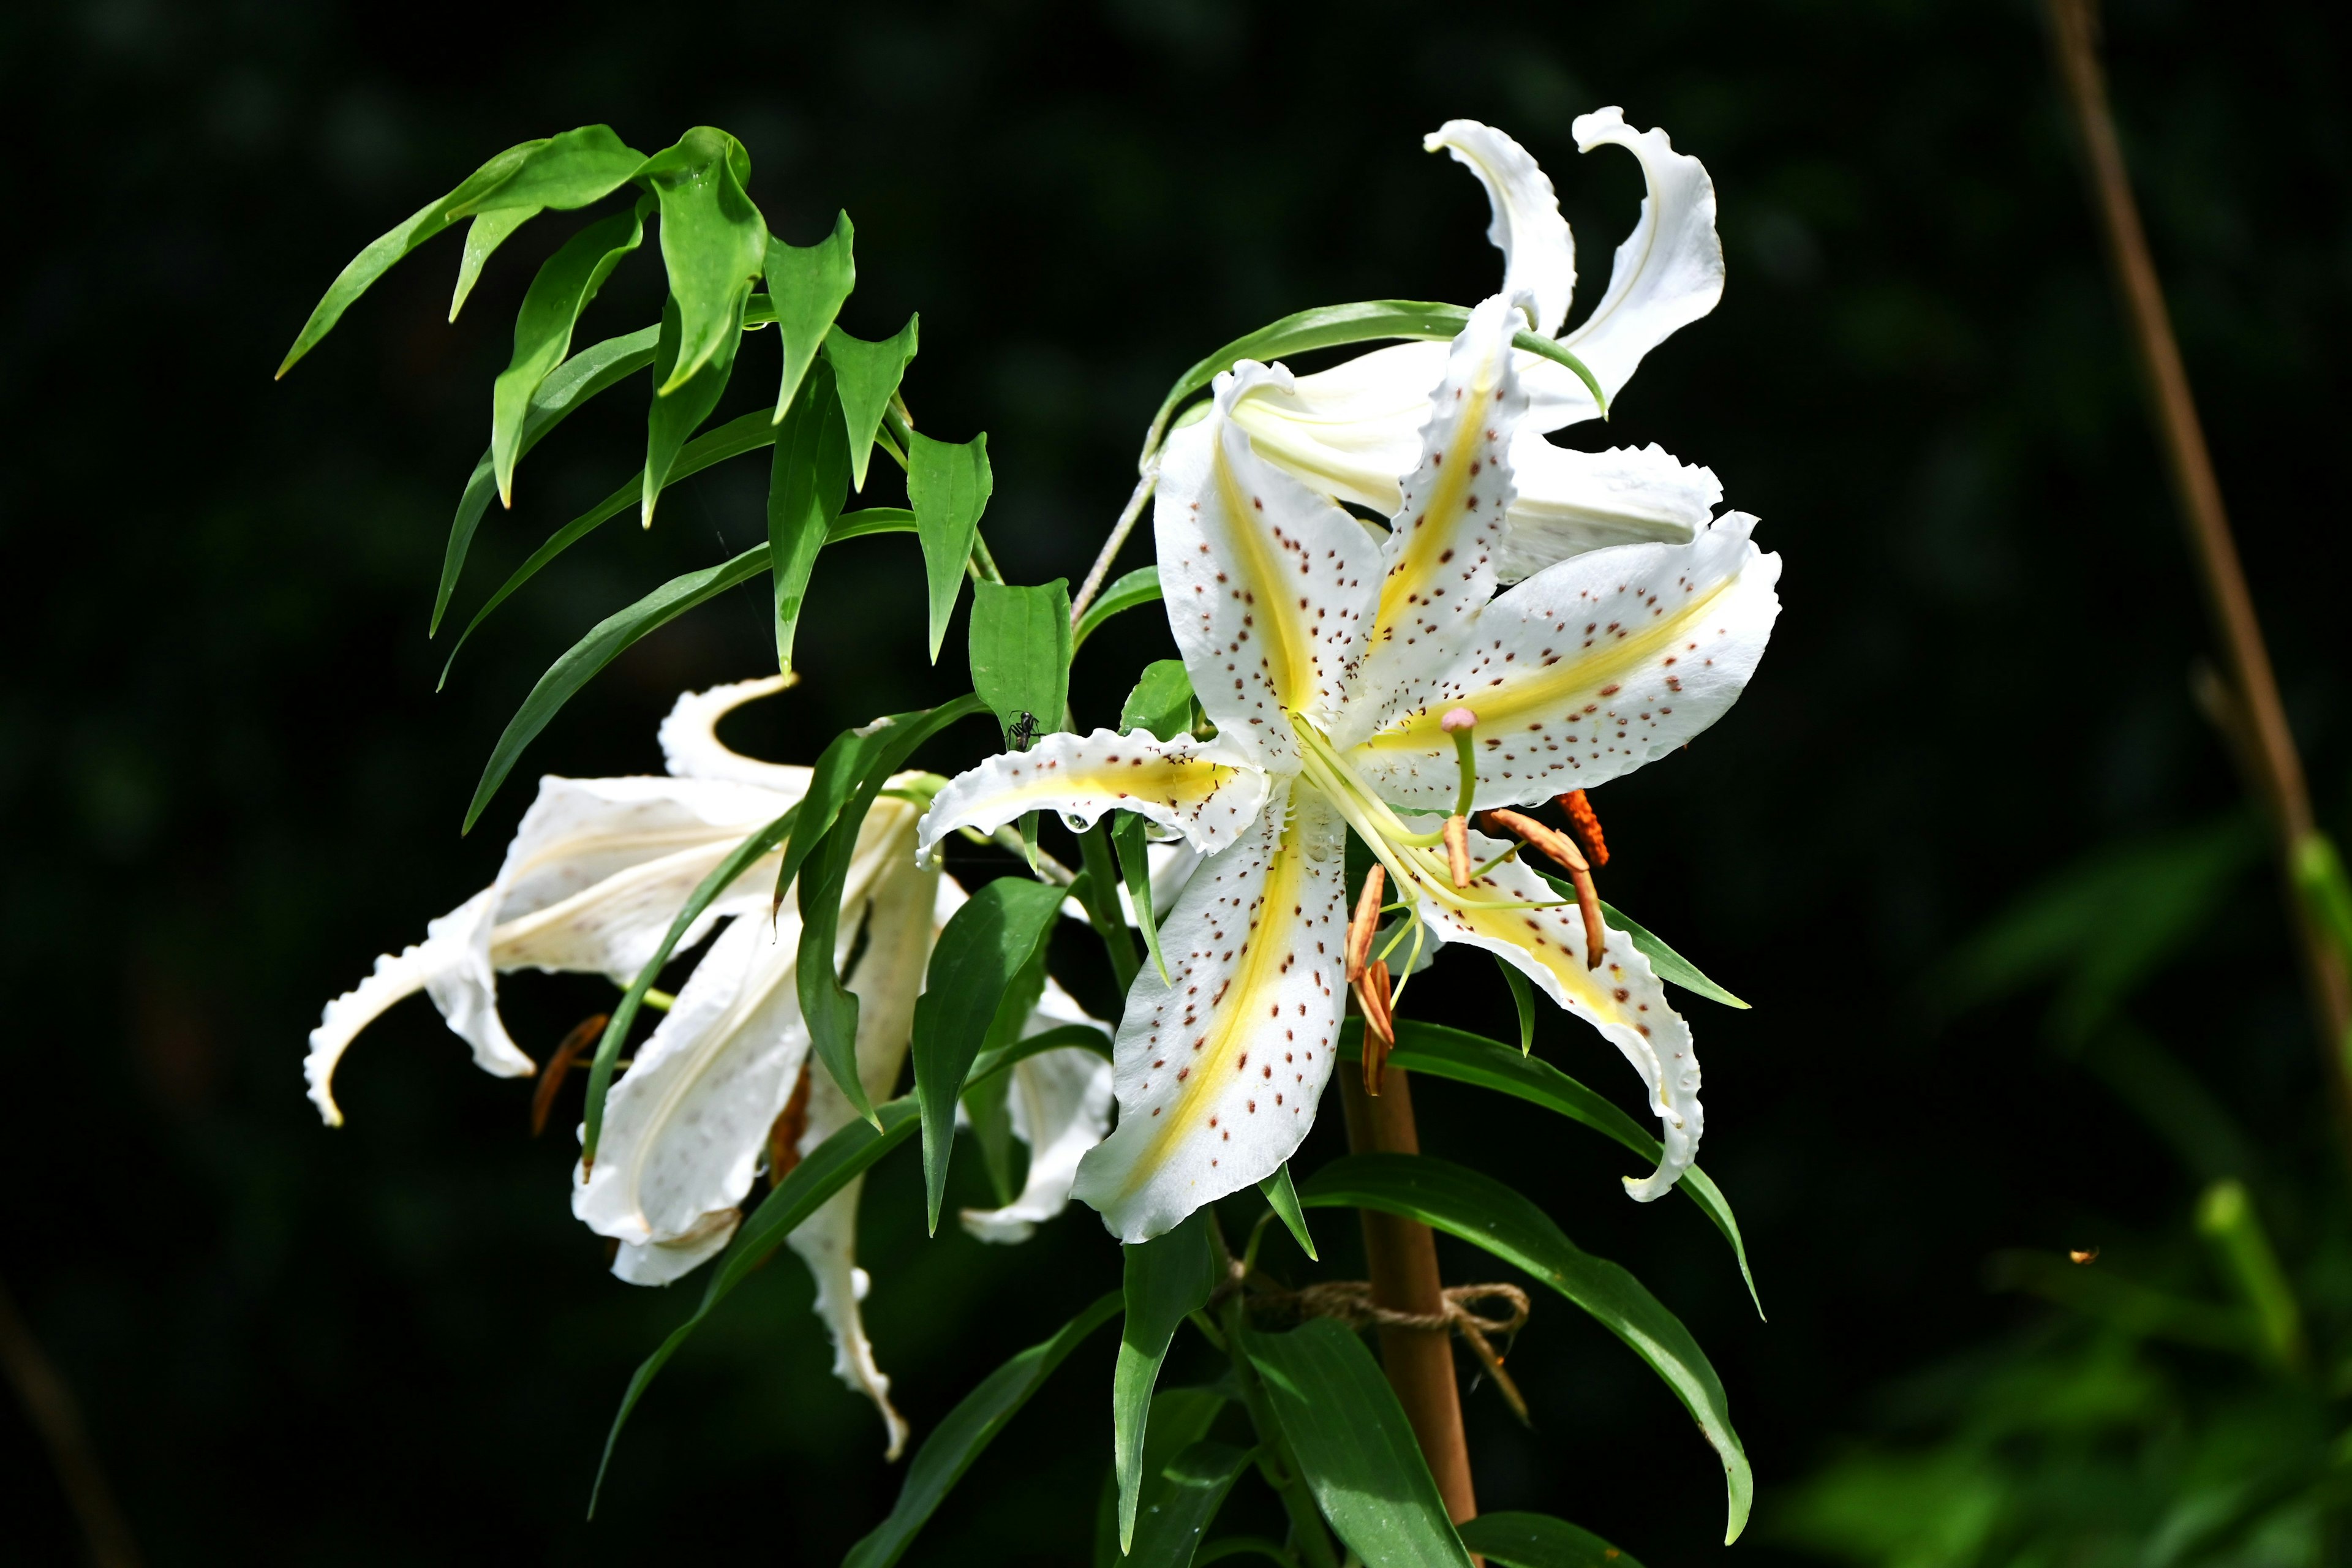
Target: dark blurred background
229,782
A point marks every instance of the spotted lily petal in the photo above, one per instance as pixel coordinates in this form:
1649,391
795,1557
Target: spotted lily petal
1438,563
1264,580
1207,792
1623,998
1589,668
1565,503
1217,1072
1539,255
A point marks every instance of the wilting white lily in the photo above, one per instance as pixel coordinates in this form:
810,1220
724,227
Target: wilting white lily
597,871
1351,431
1327,660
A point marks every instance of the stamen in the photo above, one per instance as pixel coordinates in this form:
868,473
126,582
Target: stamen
784,1136
1457,848
1557,845
1460,724
1585,825
550,1077
1379,1027
1365,923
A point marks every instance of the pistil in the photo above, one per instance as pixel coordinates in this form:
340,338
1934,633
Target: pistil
1461,723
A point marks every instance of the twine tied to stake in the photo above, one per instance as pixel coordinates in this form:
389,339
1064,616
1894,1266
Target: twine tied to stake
1350,1302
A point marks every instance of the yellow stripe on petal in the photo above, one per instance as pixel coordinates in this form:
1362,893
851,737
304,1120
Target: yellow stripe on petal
1200,791
1218,1071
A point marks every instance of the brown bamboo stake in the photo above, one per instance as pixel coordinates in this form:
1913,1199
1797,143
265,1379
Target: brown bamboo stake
2266,753
1401,1256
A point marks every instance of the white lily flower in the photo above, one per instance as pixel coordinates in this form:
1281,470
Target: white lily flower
597,871
1326,661
1351,430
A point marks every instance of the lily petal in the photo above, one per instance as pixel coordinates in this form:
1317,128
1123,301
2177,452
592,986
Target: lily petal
1566,502
1439,558
1667,274
1623,998
1539,255
1061,1108
828,1242
453,964
1202,790
1591,668
1217,1073
691,747
1264,579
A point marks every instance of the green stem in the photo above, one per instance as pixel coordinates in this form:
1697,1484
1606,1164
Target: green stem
984,560
1275,1460
1101,889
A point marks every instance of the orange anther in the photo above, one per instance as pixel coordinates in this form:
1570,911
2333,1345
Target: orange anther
558,1066
1457,849
1380,1025
784,1136
1365,923
1586,826
1557,846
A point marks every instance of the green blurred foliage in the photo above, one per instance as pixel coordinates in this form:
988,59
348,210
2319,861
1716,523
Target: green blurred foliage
229,783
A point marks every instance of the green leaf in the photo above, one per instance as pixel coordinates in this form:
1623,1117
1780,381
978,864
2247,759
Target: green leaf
867,375
948,484
1441,1052
807,484
713,242
988,1101
1180,1418
1539,1540
572,385
1332,326
871,519
1283,1198
1353,1443
997,1060
1523,997
1098,892
1192,1487
1167,1280
1134,846
1484,1212
1162,702
1141,587
731,439
483,237
575,168
677,414
605,642
822,860
823,1172
1672,967
542,335
1020,652
985,945
806,284
722,876
967,1429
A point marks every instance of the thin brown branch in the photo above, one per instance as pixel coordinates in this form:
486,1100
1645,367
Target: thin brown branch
2266,753
51,1405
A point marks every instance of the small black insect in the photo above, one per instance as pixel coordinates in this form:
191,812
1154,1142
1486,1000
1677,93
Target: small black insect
1025,731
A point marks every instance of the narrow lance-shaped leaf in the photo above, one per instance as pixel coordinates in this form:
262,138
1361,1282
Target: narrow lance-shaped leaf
867,375
713,242
1282,1196
1138,587
1539,1540
678,410
829,1008
1180,1418
1191,1487
721,876
731,439
948,485
1523,997
988,1103
807,484
1435,1051
606,641
1167,1279
1353,1443
1332,326
1020,654
965,1431
985,945
483,237
572,385
1671,966
1484,1212
823,1172
542,337
574,169
806,284
1098,892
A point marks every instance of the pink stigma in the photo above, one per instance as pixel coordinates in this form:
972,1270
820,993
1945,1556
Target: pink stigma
1456,720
